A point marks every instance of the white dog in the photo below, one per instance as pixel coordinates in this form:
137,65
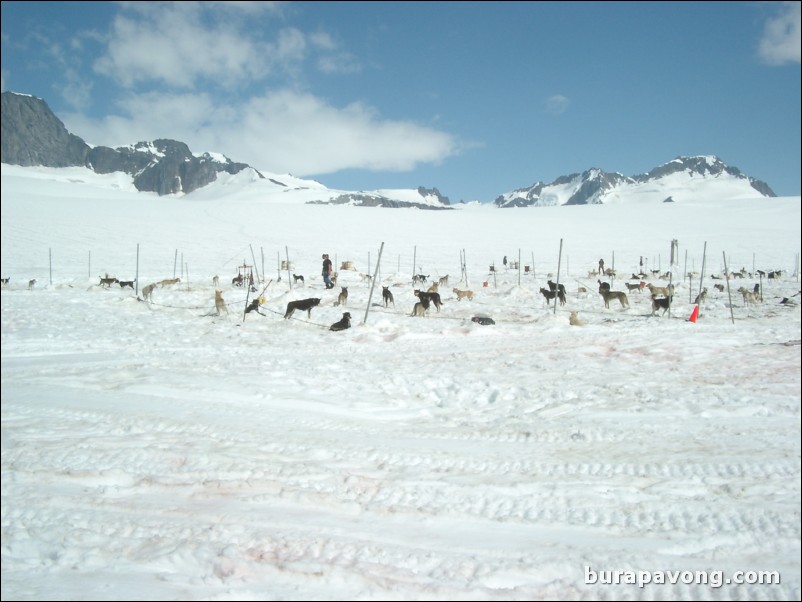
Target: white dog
147,292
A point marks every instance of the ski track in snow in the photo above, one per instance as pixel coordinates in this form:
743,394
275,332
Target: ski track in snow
260,474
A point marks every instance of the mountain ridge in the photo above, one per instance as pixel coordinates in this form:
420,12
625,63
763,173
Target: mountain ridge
33,135
595,186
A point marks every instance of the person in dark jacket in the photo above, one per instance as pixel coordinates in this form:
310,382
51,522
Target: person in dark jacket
327,271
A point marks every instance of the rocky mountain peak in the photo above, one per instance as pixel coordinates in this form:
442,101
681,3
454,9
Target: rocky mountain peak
33,135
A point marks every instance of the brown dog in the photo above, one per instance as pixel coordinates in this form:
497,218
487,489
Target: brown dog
219,303
609,295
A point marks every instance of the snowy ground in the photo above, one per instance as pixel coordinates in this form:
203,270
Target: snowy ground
161,452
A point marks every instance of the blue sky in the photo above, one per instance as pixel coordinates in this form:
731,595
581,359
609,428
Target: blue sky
473,98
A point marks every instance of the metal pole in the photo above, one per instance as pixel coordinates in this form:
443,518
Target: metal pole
702,274
373,282
685,269
465,263
136,280
519,267
729,296
175,259
289,276
671,291
247,294
253,257
559,261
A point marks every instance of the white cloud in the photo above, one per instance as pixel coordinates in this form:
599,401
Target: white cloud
557,104
185,45
285,131
333,60
301,134
176,47
76,90
781,42
323,41
338,64
147,117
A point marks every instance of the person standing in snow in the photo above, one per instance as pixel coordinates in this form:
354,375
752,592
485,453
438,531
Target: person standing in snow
327,271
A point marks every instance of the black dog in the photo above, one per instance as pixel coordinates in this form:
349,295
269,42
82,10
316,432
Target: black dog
303,305
128,283
482,320
553,286
255,305
661,302
432,297
387,295
342,324
550,294
298,278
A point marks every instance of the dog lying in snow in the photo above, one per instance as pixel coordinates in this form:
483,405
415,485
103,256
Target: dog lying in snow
345,322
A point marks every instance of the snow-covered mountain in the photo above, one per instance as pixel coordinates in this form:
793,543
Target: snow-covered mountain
33,136
682,179
420,198
246,185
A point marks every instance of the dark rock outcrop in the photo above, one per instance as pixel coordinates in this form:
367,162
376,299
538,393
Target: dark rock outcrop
33,135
